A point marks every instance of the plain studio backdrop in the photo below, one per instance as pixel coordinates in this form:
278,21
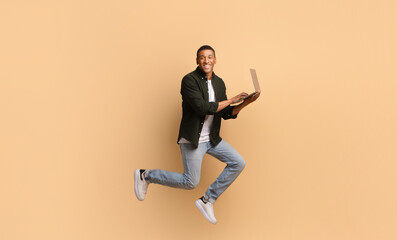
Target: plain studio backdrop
89,91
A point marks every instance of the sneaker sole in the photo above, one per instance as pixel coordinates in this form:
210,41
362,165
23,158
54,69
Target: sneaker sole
136,178
197,202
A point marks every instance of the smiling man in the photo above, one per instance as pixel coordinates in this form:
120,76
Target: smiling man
204,104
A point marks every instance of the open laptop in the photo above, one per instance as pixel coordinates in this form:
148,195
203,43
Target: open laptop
254,81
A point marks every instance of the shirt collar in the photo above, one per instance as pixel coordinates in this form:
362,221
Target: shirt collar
202,74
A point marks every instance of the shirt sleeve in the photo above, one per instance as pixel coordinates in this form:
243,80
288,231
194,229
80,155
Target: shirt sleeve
192,94
227,113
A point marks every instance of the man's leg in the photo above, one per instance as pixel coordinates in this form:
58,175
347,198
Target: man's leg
192,159
235,164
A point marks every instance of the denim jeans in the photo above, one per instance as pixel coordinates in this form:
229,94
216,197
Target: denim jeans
192,159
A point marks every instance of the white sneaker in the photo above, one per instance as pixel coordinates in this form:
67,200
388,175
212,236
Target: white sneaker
141,184
207,209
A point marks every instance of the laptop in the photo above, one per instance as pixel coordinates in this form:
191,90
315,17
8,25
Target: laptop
254,81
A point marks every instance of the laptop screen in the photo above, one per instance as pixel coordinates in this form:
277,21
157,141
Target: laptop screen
254,79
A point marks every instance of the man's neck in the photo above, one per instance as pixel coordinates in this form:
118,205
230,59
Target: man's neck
209,75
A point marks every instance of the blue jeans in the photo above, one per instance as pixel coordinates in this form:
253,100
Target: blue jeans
192,159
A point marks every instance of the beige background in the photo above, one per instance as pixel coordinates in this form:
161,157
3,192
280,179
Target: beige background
89,91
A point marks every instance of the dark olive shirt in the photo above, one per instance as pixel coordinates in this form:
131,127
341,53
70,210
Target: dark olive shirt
195,106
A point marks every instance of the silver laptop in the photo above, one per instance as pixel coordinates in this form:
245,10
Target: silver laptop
254,81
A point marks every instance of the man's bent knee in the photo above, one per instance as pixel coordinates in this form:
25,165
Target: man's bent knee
191,185
240,165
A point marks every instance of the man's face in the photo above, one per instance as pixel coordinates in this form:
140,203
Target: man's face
206,60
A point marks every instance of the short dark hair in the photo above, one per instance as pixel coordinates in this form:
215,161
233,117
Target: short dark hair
205,47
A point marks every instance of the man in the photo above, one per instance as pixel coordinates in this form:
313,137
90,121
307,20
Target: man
204,103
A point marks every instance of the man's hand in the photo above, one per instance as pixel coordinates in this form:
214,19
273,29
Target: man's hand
252,98
247,101
239,97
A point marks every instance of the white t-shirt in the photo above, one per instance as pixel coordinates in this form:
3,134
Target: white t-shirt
205,131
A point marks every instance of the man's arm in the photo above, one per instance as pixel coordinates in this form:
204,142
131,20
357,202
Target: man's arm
192,94
194,97
247,101
235,99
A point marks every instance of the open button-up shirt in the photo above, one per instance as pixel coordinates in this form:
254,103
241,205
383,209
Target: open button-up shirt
195,105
